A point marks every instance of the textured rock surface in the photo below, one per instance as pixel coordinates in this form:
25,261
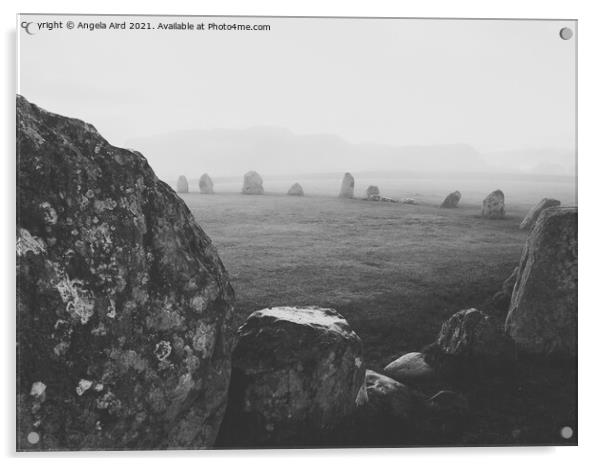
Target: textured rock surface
411,368
182,185
124,307
452,200
295,190
373,193
501,300
205,184
296,375
543,310
347,186
533,214
493,205
472,334
252,183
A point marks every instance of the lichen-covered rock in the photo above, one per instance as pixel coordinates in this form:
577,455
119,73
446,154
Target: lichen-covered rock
373,193
533,214
543,310
347,186
296,376
411,368
182,185
252,183
205,184
295,190
472,334
452,200
493,205
124,308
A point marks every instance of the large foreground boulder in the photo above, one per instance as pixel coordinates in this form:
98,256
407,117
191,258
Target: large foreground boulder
252,183
182,185
124,307
295,190
205,184
493,205
533,214
347,186
373,193
543,310
452,200
297,373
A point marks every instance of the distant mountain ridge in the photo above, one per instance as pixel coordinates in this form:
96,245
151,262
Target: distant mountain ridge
275,150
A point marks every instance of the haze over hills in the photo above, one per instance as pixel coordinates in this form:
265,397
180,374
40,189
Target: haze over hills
274,151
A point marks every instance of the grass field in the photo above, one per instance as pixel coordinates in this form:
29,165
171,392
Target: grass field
394,271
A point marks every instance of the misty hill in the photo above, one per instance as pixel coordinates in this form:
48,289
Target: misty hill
271,150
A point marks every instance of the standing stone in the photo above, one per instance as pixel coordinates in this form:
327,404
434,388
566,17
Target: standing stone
535,211
295,190
182,186
372,193
252,183
493,205
347,186
452,200
543,310
205,184
297,373
124,316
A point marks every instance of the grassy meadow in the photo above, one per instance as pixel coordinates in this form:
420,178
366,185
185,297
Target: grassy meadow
395,271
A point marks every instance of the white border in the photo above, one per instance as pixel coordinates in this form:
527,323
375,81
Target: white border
590,155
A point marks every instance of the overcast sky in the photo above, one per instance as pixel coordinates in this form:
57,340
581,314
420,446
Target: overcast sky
496,85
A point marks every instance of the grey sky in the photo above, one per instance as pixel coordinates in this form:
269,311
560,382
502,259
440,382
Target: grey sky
496,85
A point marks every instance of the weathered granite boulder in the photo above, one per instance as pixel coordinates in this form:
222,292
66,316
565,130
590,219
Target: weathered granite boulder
533,214
372,193
347,186
543,310
472,334
182,185
452,200
205,184
411,368
493,205
297,374
296,190
252,183
124,312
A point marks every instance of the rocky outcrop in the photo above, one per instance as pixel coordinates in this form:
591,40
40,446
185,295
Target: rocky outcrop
252,183
543,310
471,334
493,205
182,185
411,368
452,200
124,307
205,184
373,193
297,373
533,214
296,190
347,186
